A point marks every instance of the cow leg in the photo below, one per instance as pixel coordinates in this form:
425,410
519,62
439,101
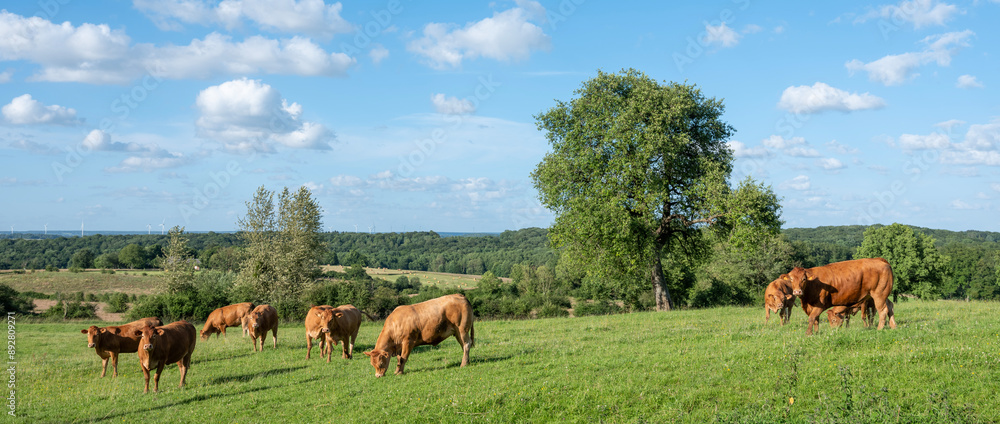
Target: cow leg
767,314
350,354
466,345
309,345
786,313
145,373
156,377
114,363
404,354
184,365
883,311
104,361
813,320
274,335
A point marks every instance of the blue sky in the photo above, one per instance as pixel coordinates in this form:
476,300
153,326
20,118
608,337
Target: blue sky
408,116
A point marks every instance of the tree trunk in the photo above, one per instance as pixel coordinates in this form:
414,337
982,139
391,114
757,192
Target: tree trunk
660,290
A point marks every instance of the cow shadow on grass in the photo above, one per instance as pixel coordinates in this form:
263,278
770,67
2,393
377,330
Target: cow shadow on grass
242,378
227,357
198,398
473,361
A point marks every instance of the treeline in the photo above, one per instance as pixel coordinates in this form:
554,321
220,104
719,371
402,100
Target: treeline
421,251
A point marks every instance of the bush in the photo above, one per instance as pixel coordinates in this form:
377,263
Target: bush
51,268
551,310
107,271
12,301
71,310
117,303
75,269
596,308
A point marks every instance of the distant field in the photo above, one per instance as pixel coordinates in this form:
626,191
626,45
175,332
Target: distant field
440,279
711,365
91,281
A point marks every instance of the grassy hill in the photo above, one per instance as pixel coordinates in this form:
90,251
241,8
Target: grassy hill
704,365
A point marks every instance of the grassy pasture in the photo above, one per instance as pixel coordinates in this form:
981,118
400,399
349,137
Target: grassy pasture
440,279
722,364
91,281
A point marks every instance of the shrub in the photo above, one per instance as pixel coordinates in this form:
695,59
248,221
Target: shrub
12,301
117,303
51,268
551,310
71,310
75,269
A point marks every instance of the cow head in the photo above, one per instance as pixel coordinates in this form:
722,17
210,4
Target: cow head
93,335
778,293
380,360
799,277
325,316
252,321
148,337
208,332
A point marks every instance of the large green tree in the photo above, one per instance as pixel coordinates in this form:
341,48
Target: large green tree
637,168
918,268
132,256
178,262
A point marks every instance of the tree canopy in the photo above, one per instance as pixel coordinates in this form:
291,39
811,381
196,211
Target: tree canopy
918,267
636,169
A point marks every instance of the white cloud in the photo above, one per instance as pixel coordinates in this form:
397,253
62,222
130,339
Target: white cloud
924,142
949,124
311,17
146,157
830,164
897,69
147,163
245,114
800,183
378,53
995,186
98,55
452,105
781,143
507,36
963,206
843,149
752,29
920,13
23,110
346,181
968,81
721,35
821,97
802,152
741,150
6,76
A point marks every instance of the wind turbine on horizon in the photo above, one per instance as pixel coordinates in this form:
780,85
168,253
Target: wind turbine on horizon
161,226
149,229
11,230
81,228
46,229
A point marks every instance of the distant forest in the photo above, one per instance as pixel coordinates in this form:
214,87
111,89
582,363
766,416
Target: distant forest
972,254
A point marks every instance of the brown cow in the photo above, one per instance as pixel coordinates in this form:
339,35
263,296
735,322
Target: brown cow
778,298
108,342
843,314
317,325
226,316
262,319
847,283
343,327
170,343
429,322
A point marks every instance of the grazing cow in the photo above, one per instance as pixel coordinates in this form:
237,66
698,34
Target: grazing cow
847,284
170,343
429,322
262,319
317,325
226,316
778,298
108,342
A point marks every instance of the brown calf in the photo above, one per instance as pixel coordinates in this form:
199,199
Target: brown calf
108,342
226,316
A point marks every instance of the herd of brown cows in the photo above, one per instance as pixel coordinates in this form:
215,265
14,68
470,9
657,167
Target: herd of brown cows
406,327
841,289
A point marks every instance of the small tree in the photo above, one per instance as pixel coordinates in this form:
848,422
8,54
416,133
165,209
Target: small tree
917,266
133,256
177,262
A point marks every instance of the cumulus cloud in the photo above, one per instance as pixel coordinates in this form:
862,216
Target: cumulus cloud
246,114
924,142
507,36
24,110
96,54
721,35
781,143
311,17
821,97
919,13
6,76
452,105
800,183
741,150
897,69
968,81
144,157
830,164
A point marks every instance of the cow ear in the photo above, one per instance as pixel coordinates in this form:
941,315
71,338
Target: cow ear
84,331
788,297
809,276
339,314
159,331
138,333
368,353
116,331
785,277
103,330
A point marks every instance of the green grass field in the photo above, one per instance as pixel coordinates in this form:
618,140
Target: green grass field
92,281
723,364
